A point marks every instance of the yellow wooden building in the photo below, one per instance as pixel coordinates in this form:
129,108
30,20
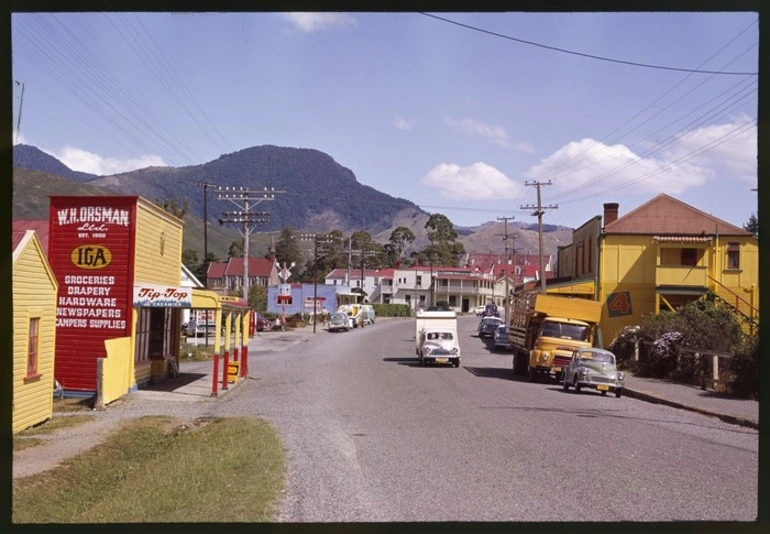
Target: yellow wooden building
657,257
34,331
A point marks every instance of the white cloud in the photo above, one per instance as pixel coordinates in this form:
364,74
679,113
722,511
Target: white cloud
496,134
84,161
475,182
403,124
589,166
313,22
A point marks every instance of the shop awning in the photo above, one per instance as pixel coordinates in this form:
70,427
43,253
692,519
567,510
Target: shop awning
205,299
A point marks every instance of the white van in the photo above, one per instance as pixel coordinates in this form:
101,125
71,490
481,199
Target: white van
354,313
367,310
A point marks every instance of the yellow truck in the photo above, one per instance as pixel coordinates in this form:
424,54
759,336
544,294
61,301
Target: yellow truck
543,330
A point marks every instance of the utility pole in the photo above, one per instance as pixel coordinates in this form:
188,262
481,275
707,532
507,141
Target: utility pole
205,186
507,259
21,103
246,217
317,239
539,215
364,254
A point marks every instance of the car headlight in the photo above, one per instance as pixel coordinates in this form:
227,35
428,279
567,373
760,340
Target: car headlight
621,376
584,371
455,350
544,356
427,350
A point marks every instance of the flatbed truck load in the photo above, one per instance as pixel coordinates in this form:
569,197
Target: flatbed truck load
543,330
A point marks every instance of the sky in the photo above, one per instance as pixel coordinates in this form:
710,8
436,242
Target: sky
461,116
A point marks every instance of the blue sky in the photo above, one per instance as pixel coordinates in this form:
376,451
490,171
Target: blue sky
453,119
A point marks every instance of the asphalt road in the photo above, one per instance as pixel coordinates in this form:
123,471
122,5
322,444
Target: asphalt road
372,436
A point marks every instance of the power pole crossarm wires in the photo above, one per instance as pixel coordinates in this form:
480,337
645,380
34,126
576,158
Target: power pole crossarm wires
317,240
249,198
539,215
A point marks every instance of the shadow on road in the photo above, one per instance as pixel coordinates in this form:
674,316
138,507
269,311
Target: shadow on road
493,372
174,383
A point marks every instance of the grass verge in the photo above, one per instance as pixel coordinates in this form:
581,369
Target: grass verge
57,423
19,444
196,353
156,470
72,405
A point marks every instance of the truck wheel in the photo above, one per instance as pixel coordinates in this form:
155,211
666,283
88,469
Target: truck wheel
531,374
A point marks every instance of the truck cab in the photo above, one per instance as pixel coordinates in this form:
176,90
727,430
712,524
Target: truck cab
557,338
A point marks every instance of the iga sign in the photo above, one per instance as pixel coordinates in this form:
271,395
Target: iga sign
158,296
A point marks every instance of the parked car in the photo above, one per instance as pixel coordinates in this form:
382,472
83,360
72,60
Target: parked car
488,325
367,311
439,345
501,338
593,368
339,321
261,324
479,310
490,310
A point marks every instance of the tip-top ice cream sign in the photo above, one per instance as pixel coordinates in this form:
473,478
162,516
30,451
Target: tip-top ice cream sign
153,295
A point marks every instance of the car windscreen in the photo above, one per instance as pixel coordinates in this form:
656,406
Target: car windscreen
565,330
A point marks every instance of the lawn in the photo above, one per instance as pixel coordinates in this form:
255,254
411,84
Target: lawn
156,469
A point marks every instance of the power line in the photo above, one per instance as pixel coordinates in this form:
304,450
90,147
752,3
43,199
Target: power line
591,56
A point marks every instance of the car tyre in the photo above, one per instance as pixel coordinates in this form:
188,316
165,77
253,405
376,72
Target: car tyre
564,384
618,393
577,386
530,374
604,393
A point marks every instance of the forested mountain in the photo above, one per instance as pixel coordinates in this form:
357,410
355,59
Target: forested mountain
30,157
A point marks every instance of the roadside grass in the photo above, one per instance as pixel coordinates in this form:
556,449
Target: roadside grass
57,423
196,353
21,443
156,469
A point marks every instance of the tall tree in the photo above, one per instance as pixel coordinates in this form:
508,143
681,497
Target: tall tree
400,239
444,247
258,298
752,225
172,206
288,251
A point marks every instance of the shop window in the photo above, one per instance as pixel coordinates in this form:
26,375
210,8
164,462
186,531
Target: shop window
33,346
142,353
689,257
733,255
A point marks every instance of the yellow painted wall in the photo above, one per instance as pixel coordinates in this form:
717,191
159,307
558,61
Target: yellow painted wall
629,262
116,369
34,295
158,245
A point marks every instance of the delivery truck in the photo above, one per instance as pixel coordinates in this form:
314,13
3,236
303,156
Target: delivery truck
543,330
435,337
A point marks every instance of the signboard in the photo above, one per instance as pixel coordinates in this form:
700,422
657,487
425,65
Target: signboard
619,304
160,296
90,250
314,304
232,371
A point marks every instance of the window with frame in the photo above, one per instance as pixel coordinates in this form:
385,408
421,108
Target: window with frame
419,280
733,255
33,346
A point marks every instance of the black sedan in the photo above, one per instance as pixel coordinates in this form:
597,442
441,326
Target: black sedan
488,326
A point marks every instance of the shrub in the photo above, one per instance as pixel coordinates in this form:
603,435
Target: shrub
392,310
744,369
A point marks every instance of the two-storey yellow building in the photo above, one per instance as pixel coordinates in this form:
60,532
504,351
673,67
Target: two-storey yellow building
657,257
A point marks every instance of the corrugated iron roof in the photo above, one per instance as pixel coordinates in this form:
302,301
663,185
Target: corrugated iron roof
216,270
261,267
667,215
40,226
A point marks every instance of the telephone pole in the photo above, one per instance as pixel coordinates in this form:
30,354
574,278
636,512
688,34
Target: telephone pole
539,215
205,186
246,217
21,103
507,259
317,239
364,254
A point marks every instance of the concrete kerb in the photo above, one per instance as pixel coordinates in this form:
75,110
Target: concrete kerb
724,417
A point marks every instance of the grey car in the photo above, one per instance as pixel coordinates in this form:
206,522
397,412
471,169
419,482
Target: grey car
339,321
501,338
593,368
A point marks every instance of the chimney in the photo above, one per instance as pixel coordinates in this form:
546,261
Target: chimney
610,212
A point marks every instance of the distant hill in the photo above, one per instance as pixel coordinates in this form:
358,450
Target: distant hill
320,195
30,157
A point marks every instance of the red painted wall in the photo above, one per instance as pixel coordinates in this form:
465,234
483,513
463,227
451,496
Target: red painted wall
91,250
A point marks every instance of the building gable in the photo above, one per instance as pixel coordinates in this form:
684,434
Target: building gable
667,215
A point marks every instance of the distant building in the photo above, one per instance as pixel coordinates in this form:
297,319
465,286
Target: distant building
223,277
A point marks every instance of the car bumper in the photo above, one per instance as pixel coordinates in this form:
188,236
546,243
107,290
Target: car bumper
441,359
600,386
